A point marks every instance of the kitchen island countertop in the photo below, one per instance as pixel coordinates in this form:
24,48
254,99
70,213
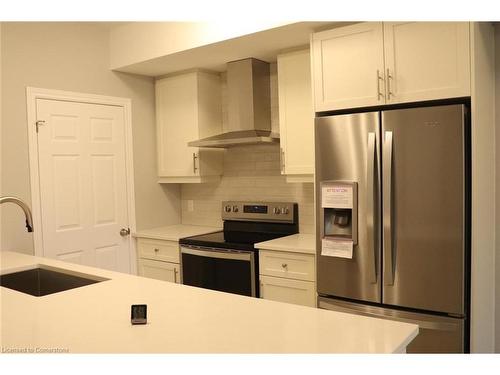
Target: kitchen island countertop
181,319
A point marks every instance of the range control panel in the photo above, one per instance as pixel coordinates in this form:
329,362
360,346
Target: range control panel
259,211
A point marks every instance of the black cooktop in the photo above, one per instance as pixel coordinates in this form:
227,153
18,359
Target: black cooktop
229,240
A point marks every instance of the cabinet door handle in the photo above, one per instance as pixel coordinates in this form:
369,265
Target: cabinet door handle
389,92
379,78
284,265
194,162
156,249
175,275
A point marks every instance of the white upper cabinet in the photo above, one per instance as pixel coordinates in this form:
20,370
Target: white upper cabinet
348,66
296,115
376,63
188,107
426,60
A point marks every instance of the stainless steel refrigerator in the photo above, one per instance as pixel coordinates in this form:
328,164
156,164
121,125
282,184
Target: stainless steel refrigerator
392,193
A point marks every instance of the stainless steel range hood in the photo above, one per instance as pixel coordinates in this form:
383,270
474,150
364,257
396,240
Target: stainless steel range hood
249,107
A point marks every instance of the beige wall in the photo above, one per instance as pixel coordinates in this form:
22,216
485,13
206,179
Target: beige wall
73,57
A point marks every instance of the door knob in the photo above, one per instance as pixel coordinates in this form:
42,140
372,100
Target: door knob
124,232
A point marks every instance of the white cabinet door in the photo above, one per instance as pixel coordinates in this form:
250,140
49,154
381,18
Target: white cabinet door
296,113
287,290
155,269
176,101
188,107
348,67
426,60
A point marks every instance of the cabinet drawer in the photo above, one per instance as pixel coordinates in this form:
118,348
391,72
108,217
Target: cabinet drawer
167,251
155,269
289,265
286,290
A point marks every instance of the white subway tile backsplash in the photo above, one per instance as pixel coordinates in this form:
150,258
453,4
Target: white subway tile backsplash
251,173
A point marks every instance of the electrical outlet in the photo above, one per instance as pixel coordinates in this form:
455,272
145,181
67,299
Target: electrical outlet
190,205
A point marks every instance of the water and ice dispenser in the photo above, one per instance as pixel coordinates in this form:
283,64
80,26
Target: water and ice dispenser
339,218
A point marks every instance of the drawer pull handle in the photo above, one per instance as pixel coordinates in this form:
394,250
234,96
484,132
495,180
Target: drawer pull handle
156,249
284,265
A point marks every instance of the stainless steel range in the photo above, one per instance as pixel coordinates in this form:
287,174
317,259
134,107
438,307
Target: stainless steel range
227,260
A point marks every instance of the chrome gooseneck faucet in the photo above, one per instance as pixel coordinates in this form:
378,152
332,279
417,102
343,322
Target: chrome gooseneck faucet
24,207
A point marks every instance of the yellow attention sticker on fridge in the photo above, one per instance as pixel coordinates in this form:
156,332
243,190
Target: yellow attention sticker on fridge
336,196
336,248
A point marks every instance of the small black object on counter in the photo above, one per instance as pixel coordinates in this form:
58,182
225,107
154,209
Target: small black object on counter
138,314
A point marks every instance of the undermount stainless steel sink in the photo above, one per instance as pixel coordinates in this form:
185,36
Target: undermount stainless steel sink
44,280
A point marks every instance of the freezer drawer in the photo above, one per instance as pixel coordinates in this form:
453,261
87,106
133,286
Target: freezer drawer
437,334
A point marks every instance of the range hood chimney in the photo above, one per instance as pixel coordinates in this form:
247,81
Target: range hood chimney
249,107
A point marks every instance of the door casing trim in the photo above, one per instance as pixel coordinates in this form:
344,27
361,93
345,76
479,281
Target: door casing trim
34,93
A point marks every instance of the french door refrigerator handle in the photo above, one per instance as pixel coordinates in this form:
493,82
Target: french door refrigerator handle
387,209
370,221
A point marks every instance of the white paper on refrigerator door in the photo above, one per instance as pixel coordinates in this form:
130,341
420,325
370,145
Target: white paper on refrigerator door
336,248
336,196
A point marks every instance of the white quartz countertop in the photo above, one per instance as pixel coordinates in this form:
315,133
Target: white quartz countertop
175,232
297,243
181,319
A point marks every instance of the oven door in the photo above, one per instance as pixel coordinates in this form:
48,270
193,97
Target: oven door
231,271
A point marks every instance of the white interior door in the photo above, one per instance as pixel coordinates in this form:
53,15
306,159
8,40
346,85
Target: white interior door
83,183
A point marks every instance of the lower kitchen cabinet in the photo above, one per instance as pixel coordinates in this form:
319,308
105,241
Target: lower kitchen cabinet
166,251
287,277
155,269
288,290
158,259
287,265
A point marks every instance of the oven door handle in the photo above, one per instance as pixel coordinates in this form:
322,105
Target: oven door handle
209,253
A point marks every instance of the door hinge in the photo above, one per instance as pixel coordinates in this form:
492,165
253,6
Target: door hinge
38,124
